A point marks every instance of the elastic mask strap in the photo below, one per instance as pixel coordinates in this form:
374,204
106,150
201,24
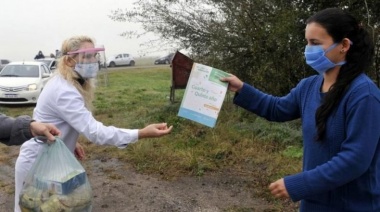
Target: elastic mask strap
331,47
72,59
341,63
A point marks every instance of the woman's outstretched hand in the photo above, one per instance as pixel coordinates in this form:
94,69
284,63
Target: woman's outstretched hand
155,130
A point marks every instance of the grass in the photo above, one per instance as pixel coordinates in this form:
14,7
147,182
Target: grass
241,142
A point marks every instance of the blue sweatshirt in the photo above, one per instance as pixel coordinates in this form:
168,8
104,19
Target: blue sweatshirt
341,173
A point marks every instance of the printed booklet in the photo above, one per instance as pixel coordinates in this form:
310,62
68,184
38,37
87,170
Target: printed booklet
204,95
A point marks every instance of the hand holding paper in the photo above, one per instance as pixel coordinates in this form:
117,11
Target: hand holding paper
234,83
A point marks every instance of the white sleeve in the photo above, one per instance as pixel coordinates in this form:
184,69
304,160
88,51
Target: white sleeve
71,108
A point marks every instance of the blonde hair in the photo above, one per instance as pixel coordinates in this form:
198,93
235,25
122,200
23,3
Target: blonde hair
86,89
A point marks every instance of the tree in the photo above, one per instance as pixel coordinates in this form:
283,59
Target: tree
261,41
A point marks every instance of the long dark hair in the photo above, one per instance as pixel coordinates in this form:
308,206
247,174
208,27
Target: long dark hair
340,25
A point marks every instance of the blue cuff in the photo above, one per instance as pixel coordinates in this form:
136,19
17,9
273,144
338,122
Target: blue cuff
296,186
245,95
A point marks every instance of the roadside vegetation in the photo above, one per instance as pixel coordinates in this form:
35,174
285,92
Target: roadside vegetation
241,143
144,61
260,41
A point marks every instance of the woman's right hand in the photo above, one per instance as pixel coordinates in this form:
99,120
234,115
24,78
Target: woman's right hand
44,129
234,83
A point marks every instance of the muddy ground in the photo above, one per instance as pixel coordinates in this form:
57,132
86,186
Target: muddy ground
118,187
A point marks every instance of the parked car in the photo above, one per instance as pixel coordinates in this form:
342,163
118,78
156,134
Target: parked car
164,60
22,82
120,60
3,62
51,63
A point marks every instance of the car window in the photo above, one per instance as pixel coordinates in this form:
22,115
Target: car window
30,71
45,69
8,71
27,71
118,56
126,55
20,71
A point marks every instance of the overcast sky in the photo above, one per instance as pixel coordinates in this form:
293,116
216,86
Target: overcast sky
28,26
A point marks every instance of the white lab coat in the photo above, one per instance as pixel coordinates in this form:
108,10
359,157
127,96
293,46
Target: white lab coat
61,104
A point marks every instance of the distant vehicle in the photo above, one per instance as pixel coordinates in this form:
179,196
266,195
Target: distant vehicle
22,82
51,63
3,62
120,60
164,60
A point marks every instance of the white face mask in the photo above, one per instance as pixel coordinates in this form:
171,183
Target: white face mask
87,70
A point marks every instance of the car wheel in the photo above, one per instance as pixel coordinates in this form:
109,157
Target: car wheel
112,64
132,63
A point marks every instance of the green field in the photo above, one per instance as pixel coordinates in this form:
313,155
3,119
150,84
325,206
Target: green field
241,142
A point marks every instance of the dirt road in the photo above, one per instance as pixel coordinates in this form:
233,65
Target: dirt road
117,187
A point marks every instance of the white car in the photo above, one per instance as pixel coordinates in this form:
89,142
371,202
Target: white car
120,60
22,82
3,62
51,63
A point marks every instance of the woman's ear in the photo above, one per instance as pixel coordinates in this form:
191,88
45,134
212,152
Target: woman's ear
346,44
69,61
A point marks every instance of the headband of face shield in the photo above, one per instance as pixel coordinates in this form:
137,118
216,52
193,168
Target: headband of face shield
87,61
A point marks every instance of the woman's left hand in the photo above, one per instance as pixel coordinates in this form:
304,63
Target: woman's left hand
79,152
278,189
155,130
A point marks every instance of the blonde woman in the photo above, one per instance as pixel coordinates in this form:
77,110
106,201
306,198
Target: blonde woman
66,103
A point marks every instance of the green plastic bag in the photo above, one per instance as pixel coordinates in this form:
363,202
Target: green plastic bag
56,182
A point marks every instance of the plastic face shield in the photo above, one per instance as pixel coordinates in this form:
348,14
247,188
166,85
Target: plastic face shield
87,55
88,61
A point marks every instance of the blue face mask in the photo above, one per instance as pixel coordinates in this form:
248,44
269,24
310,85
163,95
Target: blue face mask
87,70
316,58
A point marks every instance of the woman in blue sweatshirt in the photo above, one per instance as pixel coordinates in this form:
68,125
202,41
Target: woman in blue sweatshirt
340,113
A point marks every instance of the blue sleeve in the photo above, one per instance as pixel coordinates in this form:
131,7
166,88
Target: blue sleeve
357,152
272,108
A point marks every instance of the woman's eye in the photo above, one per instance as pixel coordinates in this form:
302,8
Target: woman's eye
312,42
90,56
